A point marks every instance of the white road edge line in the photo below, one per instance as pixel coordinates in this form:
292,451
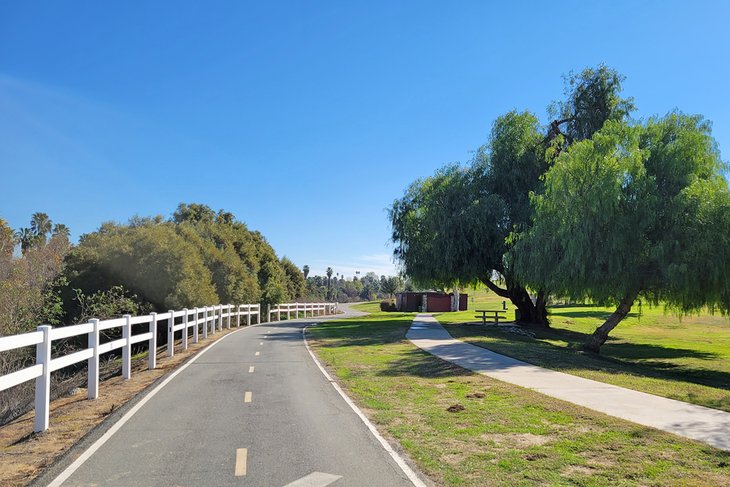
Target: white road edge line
383,442
127,416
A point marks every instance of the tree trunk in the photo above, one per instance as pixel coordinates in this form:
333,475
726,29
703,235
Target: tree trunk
598,338
530,313
533,314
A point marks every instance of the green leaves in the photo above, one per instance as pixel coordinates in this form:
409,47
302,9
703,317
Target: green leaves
198,258
638,207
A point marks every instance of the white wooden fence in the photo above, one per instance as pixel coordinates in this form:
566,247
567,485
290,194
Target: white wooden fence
202,321
314,309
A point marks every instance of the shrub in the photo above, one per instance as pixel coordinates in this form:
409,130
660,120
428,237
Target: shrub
387,305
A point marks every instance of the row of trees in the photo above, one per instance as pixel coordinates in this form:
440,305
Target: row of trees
338,288
197,256
593,205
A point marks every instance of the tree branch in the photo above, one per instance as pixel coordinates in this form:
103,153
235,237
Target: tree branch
496,289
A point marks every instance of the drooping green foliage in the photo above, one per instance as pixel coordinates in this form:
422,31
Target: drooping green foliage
593,97
514,165
443,226
453,228
460,225
638,210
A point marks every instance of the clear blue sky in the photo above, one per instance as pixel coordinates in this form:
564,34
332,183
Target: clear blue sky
306,119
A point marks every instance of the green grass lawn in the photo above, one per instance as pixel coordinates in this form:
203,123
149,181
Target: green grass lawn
368,307
505,435
686,359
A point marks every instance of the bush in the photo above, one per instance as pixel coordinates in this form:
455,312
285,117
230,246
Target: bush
387,305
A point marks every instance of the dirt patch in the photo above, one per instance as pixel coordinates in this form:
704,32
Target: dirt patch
476,395
516,440
576,469
24,454
455,408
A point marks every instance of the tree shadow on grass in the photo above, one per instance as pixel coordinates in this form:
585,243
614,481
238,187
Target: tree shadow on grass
601,315
416,362
616,356
362,333
409,362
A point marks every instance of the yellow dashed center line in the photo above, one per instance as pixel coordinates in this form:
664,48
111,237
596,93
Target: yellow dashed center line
247,397
250,369
258,353
241,454
261,343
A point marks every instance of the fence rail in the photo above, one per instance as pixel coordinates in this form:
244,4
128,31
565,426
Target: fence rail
314,309
201,321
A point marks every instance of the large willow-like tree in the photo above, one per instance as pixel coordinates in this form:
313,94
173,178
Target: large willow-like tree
452,227
459,225
637,211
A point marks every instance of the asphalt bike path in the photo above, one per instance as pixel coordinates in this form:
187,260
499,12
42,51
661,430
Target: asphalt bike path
708,425
255,409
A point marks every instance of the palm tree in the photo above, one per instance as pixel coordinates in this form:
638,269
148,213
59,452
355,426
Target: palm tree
61,229
41,225
27,238
329,283
305,270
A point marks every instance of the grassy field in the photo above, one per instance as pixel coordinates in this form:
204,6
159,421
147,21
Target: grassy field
651,351
498,434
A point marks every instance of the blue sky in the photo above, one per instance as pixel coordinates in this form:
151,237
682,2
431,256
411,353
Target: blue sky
306,119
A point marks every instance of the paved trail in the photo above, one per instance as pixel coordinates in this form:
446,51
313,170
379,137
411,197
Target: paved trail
711,426
252,410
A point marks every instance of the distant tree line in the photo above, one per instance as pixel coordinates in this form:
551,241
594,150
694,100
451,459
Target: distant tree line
592,206
335,287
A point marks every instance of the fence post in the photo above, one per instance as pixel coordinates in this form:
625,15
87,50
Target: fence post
152,354
195,326
220,317
238,315
248,315
127,348
205,323
185,330
171,335
228,320
92,386
43,383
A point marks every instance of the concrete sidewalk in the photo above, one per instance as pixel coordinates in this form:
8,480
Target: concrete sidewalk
696,422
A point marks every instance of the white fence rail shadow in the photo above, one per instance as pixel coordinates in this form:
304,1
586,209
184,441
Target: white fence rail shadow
189,324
